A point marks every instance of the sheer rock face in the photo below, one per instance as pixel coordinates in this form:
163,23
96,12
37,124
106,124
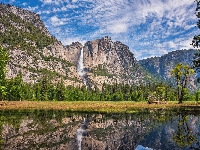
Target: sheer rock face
161,66
55,58
69,53
115,55
35,53
110,62
32,56
32,66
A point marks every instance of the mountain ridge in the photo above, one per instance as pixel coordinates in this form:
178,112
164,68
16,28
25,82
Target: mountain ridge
163,64
36,53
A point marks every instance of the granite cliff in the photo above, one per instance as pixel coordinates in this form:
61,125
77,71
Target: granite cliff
111,62
32,49
36,53
161,66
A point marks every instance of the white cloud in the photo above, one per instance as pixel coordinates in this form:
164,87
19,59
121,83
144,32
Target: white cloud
185,43
143,54
12,1
32,8
62,9
44,12
45,2
24,4
55,21
172,45
155,26
51,2
74,1
117,28
69,40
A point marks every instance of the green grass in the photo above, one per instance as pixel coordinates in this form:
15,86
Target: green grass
92,106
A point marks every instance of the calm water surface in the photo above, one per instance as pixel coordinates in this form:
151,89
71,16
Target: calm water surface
61,130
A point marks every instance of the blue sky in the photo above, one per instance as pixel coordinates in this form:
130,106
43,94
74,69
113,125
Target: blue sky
148,27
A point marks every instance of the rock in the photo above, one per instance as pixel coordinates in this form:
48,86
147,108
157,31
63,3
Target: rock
36,53
161,66
111,62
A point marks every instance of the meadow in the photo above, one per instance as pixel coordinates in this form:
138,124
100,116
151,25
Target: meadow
93,106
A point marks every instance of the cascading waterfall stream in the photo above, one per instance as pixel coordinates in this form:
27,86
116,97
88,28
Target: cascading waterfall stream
80,67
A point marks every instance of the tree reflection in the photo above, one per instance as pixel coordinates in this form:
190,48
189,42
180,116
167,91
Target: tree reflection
184,136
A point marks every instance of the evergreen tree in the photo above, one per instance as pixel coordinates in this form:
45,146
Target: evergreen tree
44,84
37,91
52,92
60,91
3,61
16,88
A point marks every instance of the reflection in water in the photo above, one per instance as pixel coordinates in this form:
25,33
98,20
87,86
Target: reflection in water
184,136
56,130
81,132
140,147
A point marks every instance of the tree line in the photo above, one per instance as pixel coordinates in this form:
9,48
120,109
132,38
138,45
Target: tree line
44,90
15,89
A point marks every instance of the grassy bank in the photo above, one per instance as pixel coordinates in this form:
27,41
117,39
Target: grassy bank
90,106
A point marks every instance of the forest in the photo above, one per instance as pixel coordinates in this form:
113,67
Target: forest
44,90
16,90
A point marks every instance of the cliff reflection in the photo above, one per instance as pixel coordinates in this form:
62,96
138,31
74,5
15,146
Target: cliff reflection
40,129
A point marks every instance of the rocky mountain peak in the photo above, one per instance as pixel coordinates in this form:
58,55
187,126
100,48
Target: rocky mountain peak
35,53
25,15
161,66
110,62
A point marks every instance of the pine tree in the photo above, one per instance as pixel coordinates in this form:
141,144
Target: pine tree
3,61
60,91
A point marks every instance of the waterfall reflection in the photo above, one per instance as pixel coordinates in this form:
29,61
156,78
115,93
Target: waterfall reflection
40,129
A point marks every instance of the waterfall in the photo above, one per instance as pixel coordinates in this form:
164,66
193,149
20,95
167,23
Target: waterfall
80,133
80,67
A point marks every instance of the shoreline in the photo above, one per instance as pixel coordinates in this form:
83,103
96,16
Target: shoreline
93,106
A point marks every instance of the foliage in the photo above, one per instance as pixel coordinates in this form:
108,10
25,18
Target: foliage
197,95
20,33
195,43
16,88
181,73
196,39
100,70
44,90
3,61
184,136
